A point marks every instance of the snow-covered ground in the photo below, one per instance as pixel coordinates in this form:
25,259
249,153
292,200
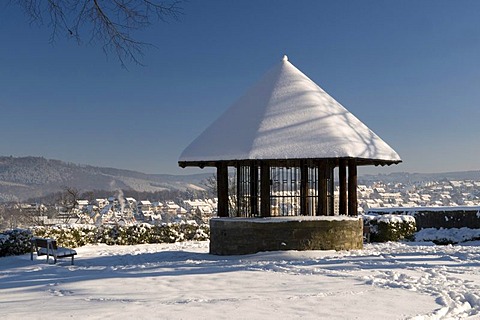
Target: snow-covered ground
182,281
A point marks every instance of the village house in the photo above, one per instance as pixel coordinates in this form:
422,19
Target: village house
101,203
131,203
157,207
144,206
81,204
171,207
198,205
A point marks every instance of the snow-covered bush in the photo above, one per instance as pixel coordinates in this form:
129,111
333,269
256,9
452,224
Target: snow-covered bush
146,233
390,227
447,236
15,242
66,235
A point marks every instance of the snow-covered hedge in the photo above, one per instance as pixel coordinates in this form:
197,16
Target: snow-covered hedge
390,227
447,236
13,242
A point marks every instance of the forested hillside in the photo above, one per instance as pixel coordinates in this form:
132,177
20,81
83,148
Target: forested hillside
22,178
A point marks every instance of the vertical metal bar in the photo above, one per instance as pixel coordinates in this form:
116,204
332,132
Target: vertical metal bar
315,191
286,192
253,189
331,189
311,190
239,189
294,190
273,190
287,180
291,190
303,190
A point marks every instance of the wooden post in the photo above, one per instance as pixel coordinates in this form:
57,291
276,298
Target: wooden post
342,175
303,190
322,189
352,187
222,189
253,190
265,190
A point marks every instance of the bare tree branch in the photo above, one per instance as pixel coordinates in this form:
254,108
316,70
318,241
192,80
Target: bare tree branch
68,201
210,185
110,22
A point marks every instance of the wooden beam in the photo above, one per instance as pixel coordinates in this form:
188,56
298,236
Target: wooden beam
322,189
342,175
222,189
284,162
352,188
265,207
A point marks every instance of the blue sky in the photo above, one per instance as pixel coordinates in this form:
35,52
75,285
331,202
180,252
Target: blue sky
410,70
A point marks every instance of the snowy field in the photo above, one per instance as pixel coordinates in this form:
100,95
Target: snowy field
182,281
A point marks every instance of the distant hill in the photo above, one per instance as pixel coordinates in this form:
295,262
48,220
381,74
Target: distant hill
34,177
31,177
410,178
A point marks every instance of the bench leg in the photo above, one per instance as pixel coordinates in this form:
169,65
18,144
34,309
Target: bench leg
72,260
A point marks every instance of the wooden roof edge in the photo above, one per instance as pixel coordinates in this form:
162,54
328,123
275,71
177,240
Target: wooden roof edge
214,163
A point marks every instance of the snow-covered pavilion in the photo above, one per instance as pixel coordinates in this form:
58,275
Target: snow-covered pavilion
284,138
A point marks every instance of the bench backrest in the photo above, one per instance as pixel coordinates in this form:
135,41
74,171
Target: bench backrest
43,243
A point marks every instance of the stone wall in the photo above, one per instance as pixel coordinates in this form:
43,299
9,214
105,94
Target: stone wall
439,217
232,236
447,219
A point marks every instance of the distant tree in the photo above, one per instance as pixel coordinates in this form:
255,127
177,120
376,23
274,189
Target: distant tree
15,216
110,22
68,201
210,184
88,195
12,217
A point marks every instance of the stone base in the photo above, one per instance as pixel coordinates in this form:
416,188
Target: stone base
232,236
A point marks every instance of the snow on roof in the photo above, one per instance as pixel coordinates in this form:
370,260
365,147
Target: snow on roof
287,116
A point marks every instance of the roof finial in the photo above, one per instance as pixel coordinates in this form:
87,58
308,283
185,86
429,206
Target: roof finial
285,58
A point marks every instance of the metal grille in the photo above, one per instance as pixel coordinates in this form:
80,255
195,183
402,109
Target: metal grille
248,199
312,194
330,192
287,191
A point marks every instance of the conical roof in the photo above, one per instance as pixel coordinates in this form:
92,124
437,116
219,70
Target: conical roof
287,116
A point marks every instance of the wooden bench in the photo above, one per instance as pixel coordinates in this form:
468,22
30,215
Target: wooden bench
49,248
